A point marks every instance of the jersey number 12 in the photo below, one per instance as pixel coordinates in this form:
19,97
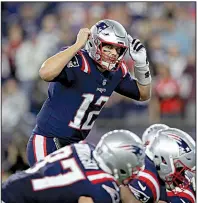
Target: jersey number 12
81,112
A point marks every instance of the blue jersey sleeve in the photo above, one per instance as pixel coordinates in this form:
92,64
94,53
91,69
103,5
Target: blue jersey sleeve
141,191
107,193
177,199
128,87
186,196
67,75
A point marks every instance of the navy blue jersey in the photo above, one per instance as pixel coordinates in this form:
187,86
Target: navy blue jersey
186,196
77,95
62,176
147,186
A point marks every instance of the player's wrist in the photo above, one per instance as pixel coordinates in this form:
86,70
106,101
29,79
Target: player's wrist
78,45
142,74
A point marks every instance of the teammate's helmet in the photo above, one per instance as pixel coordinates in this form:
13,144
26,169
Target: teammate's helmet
150,133
107,32
122,152
174,154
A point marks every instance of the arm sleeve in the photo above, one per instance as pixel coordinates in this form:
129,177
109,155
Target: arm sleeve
128,87
67,76
187,195
141,191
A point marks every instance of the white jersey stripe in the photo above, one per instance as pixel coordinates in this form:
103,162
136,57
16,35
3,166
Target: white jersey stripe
86,65
99,176
39,147
190,194
154,182
124,69
187,192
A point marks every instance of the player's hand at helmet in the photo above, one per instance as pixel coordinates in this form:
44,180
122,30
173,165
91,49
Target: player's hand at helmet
137,52
82,37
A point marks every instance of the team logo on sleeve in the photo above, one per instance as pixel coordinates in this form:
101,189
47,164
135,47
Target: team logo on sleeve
139,194
73,62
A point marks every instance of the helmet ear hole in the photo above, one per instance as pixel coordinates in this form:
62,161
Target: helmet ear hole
163,160
122,51
122,171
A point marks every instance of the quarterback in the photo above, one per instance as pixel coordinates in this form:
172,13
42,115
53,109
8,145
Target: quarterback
81,79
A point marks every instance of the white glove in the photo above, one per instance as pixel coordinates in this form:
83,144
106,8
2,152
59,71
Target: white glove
138,54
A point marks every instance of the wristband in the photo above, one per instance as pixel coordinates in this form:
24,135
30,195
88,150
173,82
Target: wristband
143,75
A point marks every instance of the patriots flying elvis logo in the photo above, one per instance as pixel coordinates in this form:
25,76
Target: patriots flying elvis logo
101,26
135,149
140,195
184,148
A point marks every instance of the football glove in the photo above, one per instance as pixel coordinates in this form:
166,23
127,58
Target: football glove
137,52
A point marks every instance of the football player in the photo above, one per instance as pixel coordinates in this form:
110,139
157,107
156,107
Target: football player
168,157
186,195
82,78
150,133
79,172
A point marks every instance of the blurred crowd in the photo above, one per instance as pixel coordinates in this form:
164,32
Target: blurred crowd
32,32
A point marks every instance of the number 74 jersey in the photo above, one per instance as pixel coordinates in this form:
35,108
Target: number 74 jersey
77,95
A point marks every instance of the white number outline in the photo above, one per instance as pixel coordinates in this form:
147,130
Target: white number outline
74,174
80,113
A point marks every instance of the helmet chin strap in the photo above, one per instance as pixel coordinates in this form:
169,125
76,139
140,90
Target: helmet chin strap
108,65
170,187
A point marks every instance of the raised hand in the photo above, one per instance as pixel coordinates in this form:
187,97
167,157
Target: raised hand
137,52
82,37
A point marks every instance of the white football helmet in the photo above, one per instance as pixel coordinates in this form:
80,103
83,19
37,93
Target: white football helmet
107,32
150,133
121,153
173,153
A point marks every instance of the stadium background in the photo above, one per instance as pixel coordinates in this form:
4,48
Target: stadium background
31,32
